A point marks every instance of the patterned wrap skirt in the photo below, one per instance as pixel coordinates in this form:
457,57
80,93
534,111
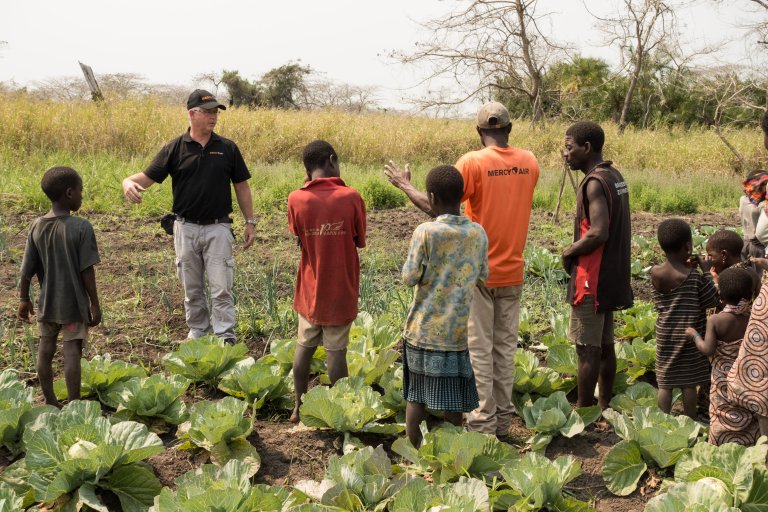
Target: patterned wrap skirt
748,378
441,380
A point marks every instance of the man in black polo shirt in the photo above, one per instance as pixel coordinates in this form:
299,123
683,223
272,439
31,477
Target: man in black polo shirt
201,165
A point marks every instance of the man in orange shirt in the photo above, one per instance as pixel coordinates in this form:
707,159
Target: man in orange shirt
499,181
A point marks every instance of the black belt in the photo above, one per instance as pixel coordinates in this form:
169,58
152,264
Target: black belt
205,222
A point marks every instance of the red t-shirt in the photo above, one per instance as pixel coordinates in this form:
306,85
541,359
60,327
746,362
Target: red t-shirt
329,219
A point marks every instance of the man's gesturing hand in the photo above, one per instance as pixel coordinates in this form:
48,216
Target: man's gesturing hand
132,190
397,176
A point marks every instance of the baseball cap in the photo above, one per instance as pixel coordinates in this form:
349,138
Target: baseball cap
492,115
203,99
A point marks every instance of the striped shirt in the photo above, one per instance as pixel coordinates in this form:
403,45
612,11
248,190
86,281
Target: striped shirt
678,362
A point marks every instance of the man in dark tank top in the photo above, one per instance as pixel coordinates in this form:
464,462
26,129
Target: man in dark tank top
598,260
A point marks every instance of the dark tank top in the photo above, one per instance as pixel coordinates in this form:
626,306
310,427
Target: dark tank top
614,290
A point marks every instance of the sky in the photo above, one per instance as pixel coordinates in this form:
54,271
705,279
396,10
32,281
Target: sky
170,41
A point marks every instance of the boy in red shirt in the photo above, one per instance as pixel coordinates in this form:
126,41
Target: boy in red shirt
328,220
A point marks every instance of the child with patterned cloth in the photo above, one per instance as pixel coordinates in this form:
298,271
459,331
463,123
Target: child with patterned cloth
61,251
729,423
448,257
750,206
682,296
748,378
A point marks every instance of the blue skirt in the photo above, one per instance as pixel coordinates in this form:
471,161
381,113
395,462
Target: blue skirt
442,380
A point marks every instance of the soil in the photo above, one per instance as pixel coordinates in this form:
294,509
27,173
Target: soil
145,320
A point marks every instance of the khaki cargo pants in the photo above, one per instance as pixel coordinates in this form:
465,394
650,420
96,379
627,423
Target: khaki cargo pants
201,251
493,319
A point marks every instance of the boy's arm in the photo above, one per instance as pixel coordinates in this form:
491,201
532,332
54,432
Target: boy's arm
26,307
599,221
89,283
708,294
360,224
413,269
708,343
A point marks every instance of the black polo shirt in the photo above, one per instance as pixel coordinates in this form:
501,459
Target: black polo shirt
200,176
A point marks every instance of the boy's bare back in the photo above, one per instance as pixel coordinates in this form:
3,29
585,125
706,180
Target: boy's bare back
669,276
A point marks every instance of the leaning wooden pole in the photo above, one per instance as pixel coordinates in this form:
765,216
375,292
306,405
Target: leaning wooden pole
90,79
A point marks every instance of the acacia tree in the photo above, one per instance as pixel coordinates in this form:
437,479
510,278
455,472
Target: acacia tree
487,46
640,28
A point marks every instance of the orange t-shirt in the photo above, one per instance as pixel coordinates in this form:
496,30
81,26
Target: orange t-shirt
498,190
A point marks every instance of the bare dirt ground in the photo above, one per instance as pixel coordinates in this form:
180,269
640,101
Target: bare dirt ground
143,309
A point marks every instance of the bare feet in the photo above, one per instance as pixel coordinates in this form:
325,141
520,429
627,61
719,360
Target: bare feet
295,415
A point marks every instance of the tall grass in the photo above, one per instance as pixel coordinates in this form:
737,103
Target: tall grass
668,170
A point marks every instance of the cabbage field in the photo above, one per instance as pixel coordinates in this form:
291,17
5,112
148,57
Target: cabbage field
200,425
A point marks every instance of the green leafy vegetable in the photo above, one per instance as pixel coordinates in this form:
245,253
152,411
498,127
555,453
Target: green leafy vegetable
466,495
77,451
449,452
17,409
553,415
639,394
258,382
540,262
221,428
204,359
636,358
536,483
705,495
154,400
349,406
530,378
225,489
639,321
359,480
98,376
392,384
650,438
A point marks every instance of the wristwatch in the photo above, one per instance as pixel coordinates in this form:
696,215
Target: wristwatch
252,222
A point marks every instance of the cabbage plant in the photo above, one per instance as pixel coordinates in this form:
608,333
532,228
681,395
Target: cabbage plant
639,394
359,480
536,483
449,452
154,400
221,428
649,437
465,495
17,409
350,405
730,475
9,500
636,358
258,382
204,359
225,489
97,377
553,415
77,452
392,385
531,378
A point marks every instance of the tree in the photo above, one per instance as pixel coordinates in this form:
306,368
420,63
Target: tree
641,28
320,93
282,84
242,92
488,46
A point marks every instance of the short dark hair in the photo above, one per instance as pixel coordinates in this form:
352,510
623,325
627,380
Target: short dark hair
764,122
726,240
673,234
496,132
57,180
446,183
316,153
587,131
735,284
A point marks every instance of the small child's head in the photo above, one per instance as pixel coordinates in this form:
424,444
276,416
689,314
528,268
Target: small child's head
675,238
445,188
754,186
724,249
64,186
735,284
321,160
